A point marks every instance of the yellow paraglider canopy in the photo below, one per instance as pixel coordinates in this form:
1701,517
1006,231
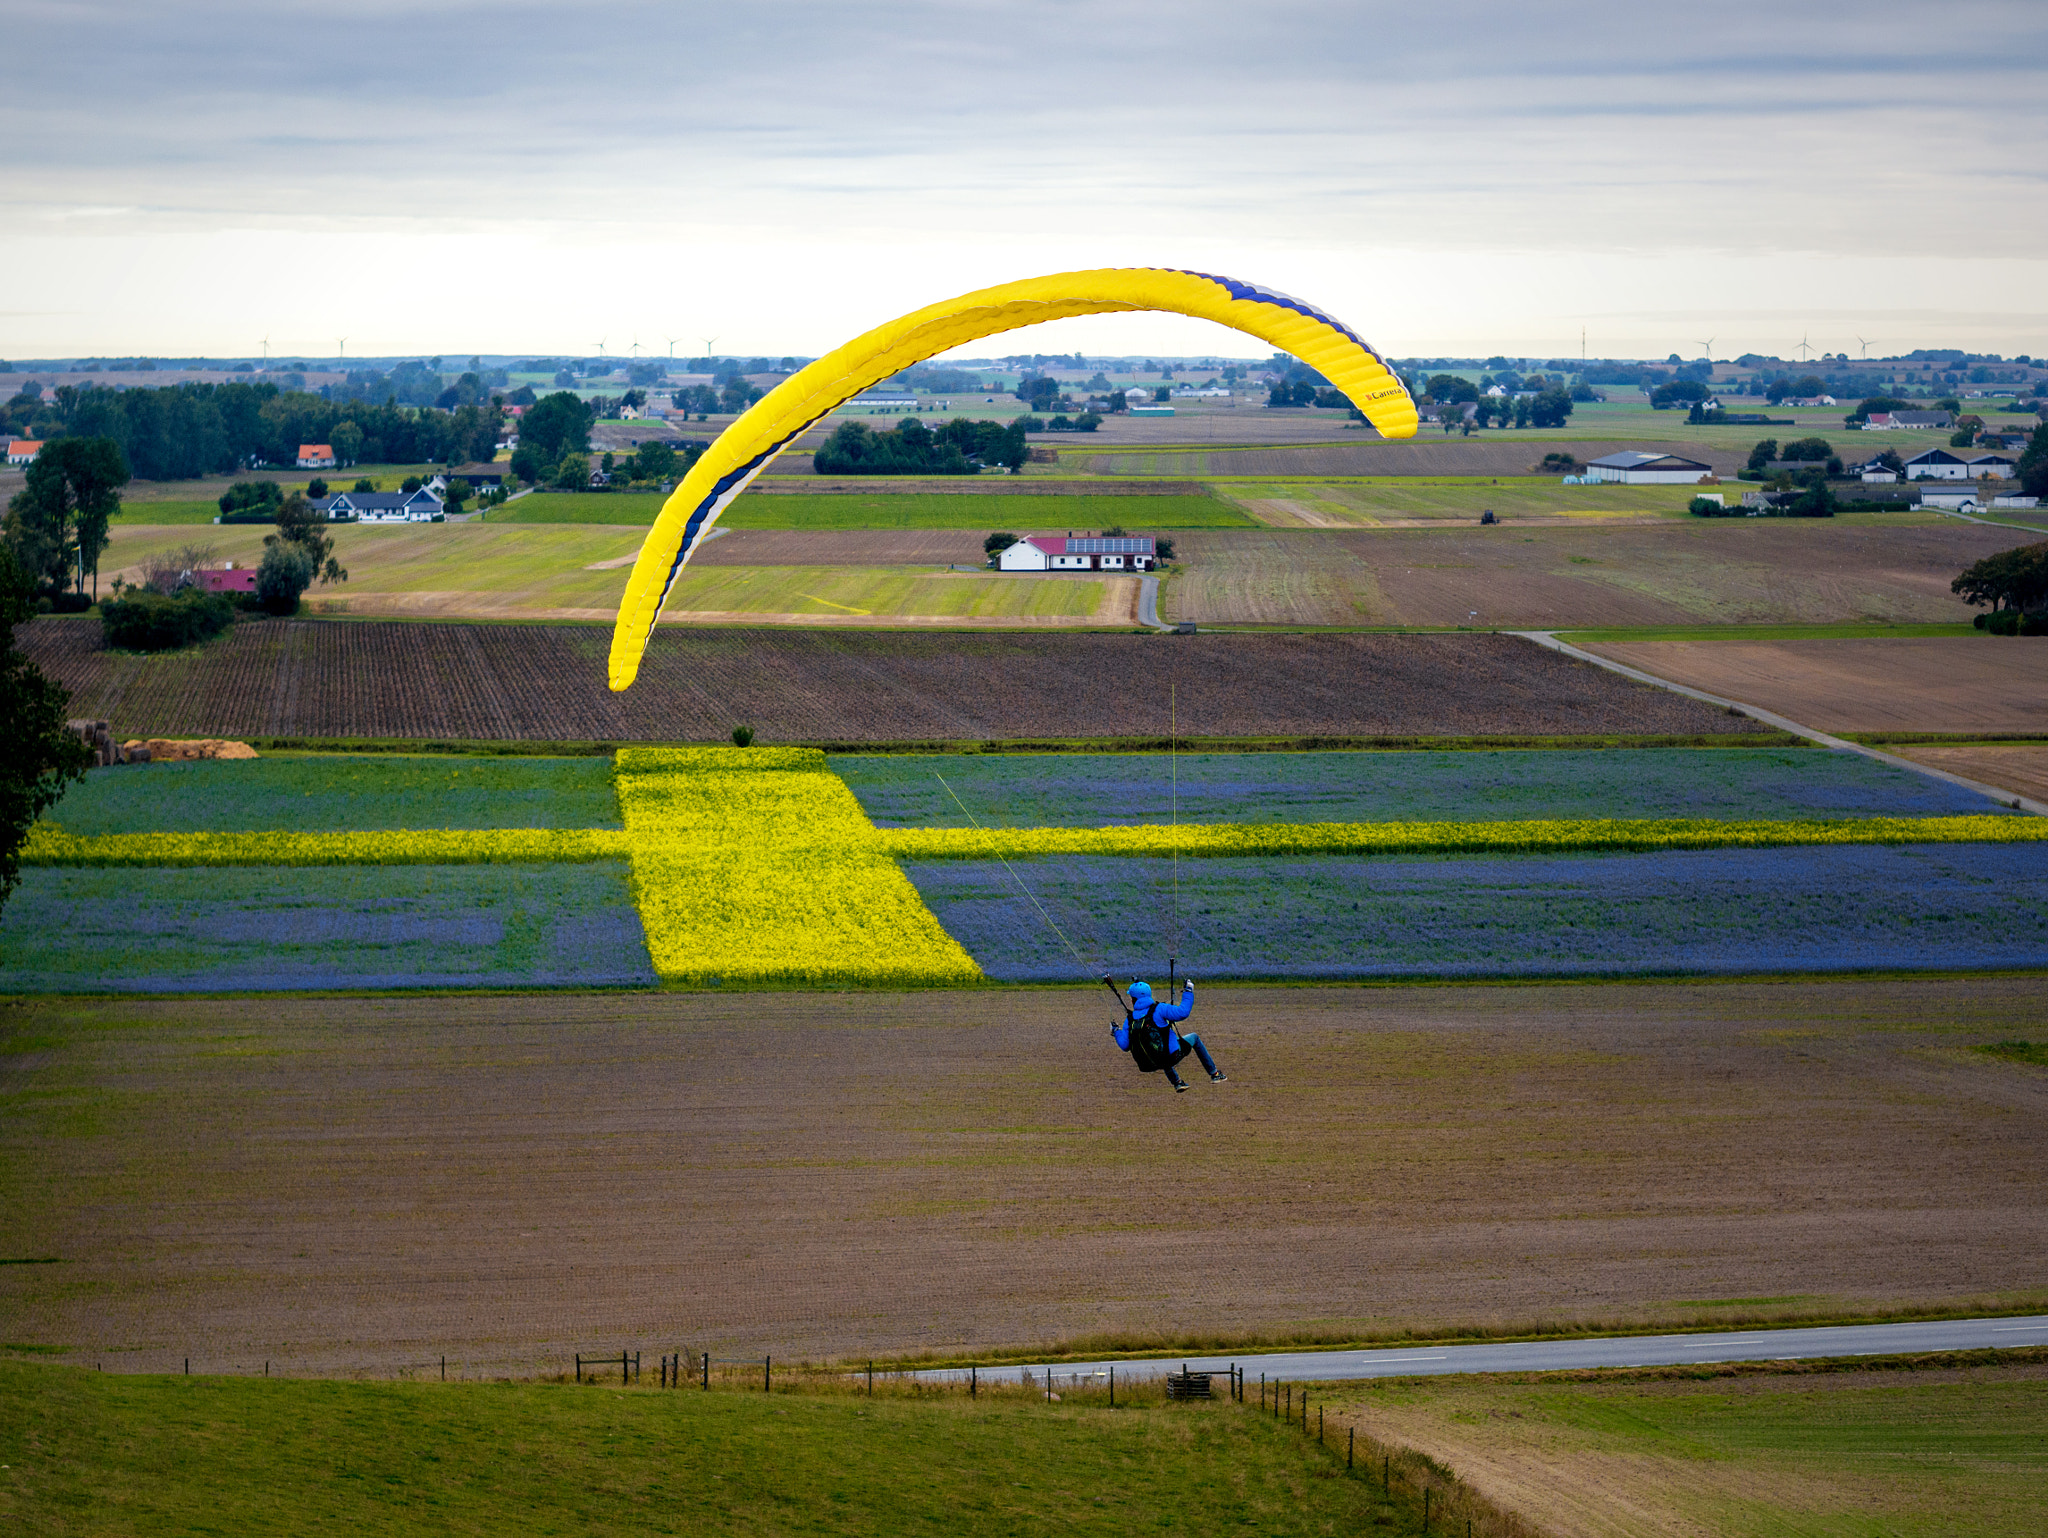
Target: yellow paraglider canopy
744,449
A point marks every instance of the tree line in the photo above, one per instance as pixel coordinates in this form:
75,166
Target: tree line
179,432
960,447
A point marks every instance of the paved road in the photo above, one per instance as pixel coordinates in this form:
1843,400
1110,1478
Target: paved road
1553,1355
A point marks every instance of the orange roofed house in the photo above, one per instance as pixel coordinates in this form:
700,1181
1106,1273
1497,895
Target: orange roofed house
315,456
21,450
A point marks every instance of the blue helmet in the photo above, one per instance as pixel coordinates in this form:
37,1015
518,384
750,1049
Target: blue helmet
1140,991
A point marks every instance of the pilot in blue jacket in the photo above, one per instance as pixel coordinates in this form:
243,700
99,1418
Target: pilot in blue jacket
1161,1048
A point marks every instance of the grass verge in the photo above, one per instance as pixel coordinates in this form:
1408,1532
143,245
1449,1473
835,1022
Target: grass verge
1948,1443
90,1452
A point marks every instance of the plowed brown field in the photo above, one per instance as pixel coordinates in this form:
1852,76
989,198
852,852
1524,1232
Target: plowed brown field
547,683
1936,684
1712,571
341,1183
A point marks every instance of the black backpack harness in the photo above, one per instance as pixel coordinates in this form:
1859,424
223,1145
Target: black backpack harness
1149,1040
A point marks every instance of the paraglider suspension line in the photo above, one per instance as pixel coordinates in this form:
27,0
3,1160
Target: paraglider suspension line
1049,924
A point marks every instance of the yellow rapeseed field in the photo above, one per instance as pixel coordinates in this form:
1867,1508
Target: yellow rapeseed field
757,865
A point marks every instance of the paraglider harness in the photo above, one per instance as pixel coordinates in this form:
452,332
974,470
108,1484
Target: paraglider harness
1151,1044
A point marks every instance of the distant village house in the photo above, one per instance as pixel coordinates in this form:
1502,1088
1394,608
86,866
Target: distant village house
315,456
21,450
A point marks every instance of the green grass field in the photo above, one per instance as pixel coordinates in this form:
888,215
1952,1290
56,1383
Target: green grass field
880,592
633,508
1920,1454
88,1452
937,510
165,513
911,510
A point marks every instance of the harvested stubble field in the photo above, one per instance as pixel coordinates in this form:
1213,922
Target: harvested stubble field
2021,767
327,679
334,1185
1936,684
1719,571
896,505
1402,502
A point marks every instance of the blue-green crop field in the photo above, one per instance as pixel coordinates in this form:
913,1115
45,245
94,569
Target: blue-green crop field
122,923
1097,789
334,792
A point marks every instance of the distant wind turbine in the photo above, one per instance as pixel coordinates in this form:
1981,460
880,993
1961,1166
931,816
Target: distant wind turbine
266,349
1804,350
671,340
709,342
636,346
340,347
600,345
1708,344
1860,342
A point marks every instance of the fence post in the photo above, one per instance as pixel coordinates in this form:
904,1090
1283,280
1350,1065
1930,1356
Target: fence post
767,1375
1319,1425
973,1382
1112,1385
444,1368
707,1372
1387,1474
188,1367
579,1367
871,1377
1425,1508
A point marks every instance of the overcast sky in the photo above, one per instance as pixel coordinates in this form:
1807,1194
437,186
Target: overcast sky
439,176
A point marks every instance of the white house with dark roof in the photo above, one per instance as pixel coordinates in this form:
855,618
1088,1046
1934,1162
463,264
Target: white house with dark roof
1635,468
1085,552
1995,467
420,506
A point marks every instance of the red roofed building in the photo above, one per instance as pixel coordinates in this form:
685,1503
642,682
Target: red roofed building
228,579
315,456
21,450
1086,552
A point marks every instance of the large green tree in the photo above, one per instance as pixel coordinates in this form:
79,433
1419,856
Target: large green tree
2033,466
2012,579
303,527
555,425
38,757
57,523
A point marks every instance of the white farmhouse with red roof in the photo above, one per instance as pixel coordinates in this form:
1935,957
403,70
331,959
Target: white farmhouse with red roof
1083,552
315,456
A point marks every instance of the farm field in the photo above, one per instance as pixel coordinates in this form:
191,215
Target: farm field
936,510
1082,790
338,1186
1702,571
411,926
1391,501
1974,684
498,571
157,1455
2021,767
309,678
1427,454
896,508
343,792
1687,911
773,866
1928,1449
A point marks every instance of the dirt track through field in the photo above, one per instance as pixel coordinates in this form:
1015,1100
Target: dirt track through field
342,1183
1935,684
1702,572
547,683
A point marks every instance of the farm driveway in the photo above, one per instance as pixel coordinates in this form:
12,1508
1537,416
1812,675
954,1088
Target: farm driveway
335,1184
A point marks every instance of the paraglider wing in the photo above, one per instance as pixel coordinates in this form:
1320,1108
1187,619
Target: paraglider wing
744,449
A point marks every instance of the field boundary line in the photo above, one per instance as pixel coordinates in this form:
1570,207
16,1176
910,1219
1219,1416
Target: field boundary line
2010,798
